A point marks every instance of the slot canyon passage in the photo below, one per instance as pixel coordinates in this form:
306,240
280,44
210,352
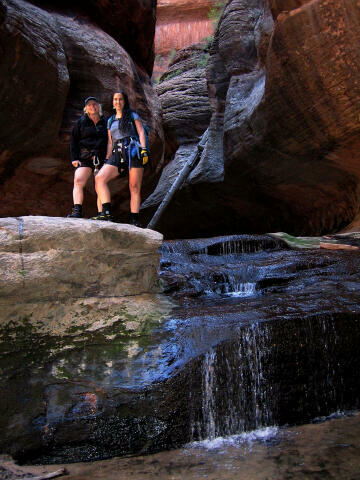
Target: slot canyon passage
222,343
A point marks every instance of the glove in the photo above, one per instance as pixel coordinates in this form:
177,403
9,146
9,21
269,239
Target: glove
144,155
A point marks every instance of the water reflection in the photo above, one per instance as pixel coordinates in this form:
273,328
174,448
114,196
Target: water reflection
325,451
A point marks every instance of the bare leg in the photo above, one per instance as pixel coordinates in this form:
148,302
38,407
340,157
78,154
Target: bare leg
81,176
135,180
98,203
107,173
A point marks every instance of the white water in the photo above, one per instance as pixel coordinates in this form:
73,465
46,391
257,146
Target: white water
259,435
242,290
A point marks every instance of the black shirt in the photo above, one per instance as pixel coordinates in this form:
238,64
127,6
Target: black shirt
87,135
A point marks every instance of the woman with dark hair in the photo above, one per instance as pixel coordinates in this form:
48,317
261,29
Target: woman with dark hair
88,150
126,152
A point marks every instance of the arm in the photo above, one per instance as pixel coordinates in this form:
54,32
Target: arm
109,146
141,133
74,144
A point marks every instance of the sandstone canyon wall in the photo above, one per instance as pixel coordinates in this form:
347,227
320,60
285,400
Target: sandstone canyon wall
180,23
53,56
283,151
278,89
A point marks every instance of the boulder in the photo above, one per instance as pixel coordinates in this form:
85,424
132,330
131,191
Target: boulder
53,258
183,96
56,59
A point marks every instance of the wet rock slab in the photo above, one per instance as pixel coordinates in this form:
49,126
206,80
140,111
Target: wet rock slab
229,358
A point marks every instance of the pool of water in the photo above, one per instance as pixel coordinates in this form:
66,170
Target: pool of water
326,449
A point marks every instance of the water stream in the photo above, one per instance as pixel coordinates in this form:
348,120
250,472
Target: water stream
260,337
279,328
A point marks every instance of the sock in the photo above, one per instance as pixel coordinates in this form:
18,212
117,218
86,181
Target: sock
106,208
78,207
134,216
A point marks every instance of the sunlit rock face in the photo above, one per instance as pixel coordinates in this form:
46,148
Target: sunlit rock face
283,150
52,60
180,23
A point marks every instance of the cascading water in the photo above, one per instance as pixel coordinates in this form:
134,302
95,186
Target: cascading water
258,336
251,382
288,370
217,266
235,392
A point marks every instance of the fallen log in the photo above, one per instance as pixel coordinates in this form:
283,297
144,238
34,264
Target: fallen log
184,173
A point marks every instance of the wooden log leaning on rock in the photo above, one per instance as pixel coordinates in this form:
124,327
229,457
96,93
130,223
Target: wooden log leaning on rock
184,173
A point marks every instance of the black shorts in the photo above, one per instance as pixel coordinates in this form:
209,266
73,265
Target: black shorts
115,161
90,164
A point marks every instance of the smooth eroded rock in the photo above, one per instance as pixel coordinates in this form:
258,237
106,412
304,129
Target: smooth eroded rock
283,149
55,258
56,57
262,335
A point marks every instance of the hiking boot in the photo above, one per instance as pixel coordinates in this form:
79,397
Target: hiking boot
76,212
135,222
134,219
107,217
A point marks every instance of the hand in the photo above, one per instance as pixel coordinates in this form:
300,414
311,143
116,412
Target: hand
75,163
144,156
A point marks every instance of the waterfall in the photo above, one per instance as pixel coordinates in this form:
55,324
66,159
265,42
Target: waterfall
236,396
274,373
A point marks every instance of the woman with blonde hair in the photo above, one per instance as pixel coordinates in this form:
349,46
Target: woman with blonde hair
126,154
88,150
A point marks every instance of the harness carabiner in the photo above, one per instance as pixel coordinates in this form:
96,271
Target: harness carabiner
96,163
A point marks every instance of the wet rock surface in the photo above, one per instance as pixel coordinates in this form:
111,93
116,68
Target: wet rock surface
261,335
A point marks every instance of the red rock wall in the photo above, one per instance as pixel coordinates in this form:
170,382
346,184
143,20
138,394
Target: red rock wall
283,152
177,35
180,23
278,6
51,61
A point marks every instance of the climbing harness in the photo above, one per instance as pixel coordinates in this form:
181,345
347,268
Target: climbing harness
119,152
124,150
96,163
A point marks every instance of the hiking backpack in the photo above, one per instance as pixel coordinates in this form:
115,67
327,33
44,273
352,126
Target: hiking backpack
145,127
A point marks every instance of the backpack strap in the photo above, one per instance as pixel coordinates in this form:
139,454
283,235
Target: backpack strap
146,130
110,121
